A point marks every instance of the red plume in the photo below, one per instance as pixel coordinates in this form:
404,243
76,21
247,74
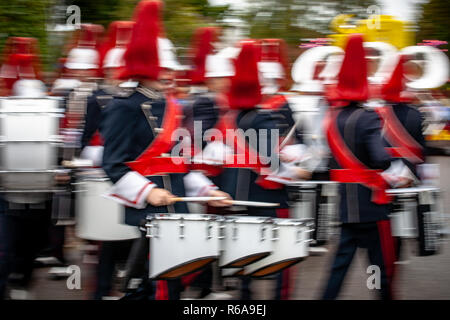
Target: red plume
392,90
25,67
18,45
352,78
141,57
245,90
118,35
201,47
275,50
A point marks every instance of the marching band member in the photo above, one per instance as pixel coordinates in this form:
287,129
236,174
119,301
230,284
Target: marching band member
402,122
8,71
200,108
82,63
272,67
293,155
249,181
403,125
22,218
111,58
354,137
137,130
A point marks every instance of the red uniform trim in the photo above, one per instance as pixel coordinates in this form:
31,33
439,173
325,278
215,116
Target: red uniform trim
137,197
353,170
187,280
148,162
274,102
162,292
387,249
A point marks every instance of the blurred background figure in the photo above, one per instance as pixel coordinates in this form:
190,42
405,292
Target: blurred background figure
403,125
25,218
111,253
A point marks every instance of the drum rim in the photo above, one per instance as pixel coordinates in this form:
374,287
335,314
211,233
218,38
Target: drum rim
419,189
292,222
183,216
293,260
251,220
158,276
264,254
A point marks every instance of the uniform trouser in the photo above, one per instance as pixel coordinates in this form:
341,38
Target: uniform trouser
156,290
138,265
111,253
283,285
202,279
22,236
377,238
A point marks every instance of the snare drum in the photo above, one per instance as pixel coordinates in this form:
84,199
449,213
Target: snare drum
316,200
290,240
244,240
181,243
416,216
99,218
29,129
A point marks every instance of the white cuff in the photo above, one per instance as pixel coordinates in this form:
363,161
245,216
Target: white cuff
301,156
131,190
197,185
93,153
397,174
295,152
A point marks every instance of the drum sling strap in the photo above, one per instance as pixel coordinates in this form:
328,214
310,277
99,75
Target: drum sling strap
152,161
353,170
404,146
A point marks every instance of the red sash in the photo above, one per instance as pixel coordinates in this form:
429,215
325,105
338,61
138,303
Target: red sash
404,146
274,102
244,153
150,162
353,170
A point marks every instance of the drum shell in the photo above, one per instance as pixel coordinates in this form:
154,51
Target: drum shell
317,200
99,218
290,244
247,243
404,221
29,130
177,240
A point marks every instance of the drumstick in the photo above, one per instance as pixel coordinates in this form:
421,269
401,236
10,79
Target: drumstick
252,203
197,199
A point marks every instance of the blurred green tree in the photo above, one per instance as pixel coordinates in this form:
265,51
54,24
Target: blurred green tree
434,22
181,18
22,18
